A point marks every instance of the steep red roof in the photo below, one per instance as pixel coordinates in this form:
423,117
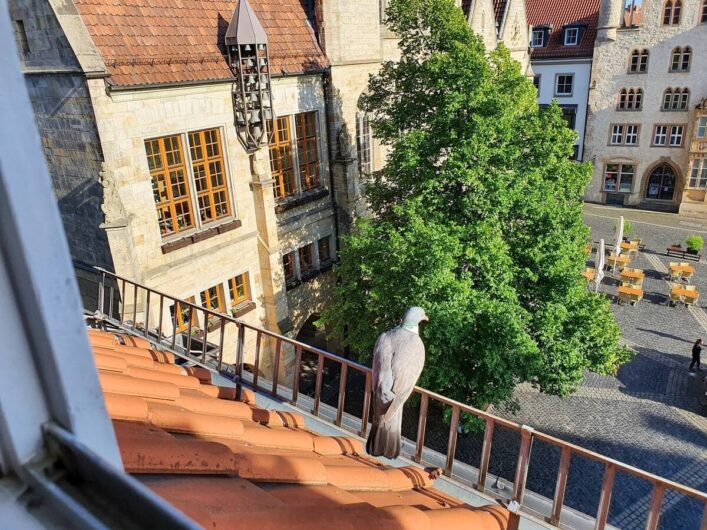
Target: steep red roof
230,464
557,14
172,41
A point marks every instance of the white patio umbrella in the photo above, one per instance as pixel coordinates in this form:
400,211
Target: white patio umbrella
600,266
619,238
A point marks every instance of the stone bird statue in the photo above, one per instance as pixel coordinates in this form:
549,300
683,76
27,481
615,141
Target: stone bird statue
398,358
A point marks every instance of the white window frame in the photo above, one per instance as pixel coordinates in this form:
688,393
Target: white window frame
701,125
660,132
534,42
677,132
571,31
632,132
617,134
698,181
557,83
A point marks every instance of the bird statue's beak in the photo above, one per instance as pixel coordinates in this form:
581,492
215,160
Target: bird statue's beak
425,318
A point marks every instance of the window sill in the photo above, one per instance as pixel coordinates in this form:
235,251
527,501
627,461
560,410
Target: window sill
299,200
242,308
201,235
310,275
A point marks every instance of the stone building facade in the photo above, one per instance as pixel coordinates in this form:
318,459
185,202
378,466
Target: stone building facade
694,199
561,47
135,106
649,72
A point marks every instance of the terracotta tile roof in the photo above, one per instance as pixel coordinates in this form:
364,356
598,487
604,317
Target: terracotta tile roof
172,41
499,10
231,464
558,14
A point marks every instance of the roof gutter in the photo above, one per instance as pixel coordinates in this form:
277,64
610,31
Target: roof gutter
177,84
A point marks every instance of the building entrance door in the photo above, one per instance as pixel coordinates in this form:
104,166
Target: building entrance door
661,183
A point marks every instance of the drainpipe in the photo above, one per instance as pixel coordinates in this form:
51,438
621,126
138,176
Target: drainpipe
586,109
328,99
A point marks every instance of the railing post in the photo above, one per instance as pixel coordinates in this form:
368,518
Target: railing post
342,394
295,382
222,335
134,304
205,338
256,362
239,351
110,301
101,293
526,442
159,322
318,384
485,455
177,307
656,503
560,485
189,325
452,444
276,366
607,486
366,406
122,304
421,427
147,314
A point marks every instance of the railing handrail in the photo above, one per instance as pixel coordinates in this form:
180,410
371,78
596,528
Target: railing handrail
527,434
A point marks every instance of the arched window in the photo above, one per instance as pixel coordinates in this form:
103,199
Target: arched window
676,99
661,183
681,59
667,13
630,99
671,12
638,62
363,143
677,6
703,13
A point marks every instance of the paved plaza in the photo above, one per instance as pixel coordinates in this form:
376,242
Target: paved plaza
648,414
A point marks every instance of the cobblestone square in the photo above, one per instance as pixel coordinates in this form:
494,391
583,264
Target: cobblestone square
648,415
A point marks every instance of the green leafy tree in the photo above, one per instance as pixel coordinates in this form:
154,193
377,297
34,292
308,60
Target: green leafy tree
477,217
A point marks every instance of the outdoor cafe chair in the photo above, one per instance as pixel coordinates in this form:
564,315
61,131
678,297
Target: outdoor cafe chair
674,298
674,275
691,300
687,275
635,298
623,297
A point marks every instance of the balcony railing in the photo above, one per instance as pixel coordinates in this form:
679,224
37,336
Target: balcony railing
119,299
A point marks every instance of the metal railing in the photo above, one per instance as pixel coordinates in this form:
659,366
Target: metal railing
290,391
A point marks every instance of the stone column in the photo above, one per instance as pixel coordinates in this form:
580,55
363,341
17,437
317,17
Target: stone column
272,277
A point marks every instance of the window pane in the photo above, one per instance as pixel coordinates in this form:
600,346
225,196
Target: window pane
211,185
281,158
169,189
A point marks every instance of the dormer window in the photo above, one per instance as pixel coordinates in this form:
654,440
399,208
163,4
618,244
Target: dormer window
538,40
571,36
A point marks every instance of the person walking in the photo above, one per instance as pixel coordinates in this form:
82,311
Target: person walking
696,350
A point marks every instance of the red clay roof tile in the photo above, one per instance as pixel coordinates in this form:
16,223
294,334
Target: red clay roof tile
258,469
558,14
175,41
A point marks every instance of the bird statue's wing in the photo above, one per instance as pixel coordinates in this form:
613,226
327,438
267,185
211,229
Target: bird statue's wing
406,365
383,369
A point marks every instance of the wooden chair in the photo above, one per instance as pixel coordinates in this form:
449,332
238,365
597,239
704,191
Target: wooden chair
623,297
687,275
635,298
674,298
673,275
691,300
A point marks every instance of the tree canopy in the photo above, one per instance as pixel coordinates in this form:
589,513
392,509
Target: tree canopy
477,217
